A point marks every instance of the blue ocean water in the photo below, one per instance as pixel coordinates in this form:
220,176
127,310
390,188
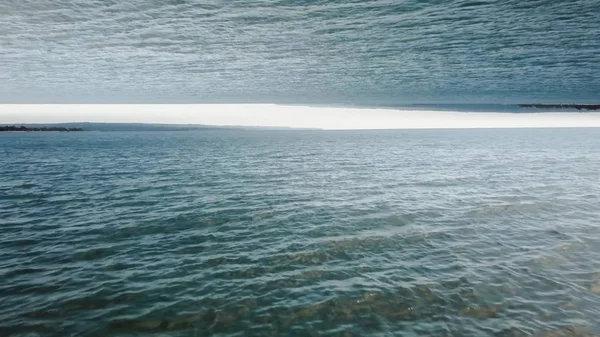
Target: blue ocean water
300,233
298,51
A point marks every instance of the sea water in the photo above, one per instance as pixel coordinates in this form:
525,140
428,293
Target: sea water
300,233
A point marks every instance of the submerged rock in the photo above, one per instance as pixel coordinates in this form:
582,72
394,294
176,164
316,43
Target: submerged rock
509,289
568,305
595,288
482,312
151,325
569,331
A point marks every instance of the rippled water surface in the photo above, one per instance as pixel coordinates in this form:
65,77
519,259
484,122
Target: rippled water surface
300,233
300,51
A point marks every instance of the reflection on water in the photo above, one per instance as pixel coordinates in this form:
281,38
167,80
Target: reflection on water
229,233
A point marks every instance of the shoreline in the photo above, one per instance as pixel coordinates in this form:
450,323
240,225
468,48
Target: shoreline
1,131
591,107
21,128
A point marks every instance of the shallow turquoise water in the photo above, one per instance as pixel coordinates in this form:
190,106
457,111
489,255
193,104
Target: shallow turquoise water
300,233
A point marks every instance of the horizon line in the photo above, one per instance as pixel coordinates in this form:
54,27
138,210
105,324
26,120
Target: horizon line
286,128
291,116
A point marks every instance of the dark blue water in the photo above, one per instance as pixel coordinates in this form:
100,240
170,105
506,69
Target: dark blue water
300,233
298,51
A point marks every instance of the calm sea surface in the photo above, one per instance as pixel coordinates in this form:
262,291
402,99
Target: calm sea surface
363,52
300,233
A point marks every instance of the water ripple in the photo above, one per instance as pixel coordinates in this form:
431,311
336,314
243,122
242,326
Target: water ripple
367,52
451,233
